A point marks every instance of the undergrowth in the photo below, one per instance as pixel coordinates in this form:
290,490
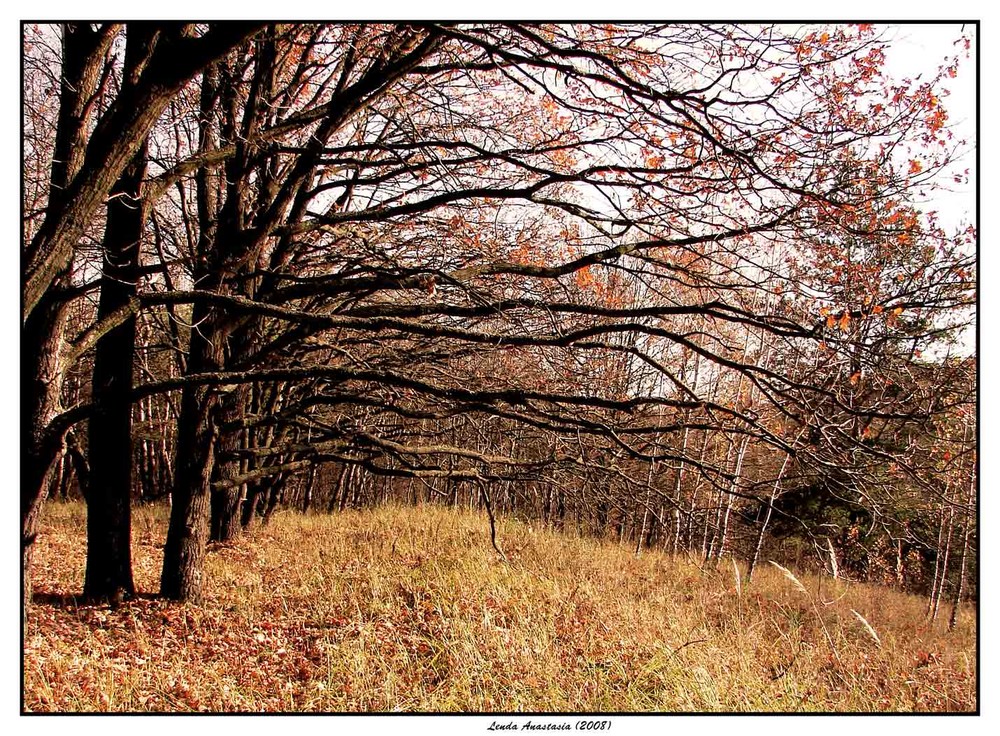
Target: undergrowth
410,609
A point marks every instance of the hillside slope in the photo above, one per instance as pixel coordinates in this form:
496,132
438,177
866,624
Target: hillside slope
410,609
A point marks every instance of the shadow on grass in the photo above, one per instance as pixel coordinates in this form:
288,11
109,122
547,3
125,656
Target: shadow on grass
73,600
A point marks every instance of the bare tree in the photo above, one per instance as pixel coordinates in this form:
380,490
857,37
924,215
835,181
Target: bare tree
659,256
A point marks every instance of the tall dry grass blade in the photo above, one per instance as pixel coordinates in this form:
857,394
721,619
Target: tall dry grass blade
868,627
833,559
788,574
736,574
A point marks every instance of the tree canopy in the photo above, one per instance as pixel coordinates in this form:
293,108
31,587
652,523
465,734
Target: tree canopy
653,277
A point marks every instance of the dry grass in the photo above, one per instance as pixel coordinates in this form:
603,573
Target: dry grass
410,610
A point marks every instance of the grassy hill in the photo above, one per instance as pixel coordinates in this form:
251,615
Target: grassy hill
410,609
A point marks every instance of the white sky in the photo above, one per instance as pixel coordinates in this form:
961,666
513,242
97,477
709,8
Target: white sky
920,50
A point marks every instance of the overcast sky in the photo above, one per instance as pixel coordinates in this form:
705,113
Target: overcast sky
921,50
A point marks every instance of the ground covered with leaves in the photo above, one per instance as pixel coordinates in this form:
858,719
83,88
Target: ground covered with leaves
412,610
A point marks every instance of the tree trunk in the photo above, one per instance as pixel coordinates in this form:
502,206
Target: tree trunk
937,565
943,579
349,481
960,591
641,536
197,436
277,484
248,507
41,387
678,489
307,492
737,473
752,565
187,535
692,531
337,489
226,522
42,337
900,567
109,501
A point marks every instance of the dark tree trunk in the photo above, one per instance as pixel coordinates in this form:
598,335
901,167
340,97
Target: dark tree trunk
42,338
109,500
197,436
307,491
276,486
226,519
226,522
338,489
187,535
249,508
65,477
109,520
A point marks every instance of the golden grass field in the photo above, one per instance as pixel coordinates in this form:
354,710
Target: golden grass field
410,609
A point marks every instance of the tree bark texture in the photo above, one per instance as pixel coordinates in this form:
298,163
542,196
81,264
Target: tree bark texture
109,501
43,365
226,522
109,521
187,535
